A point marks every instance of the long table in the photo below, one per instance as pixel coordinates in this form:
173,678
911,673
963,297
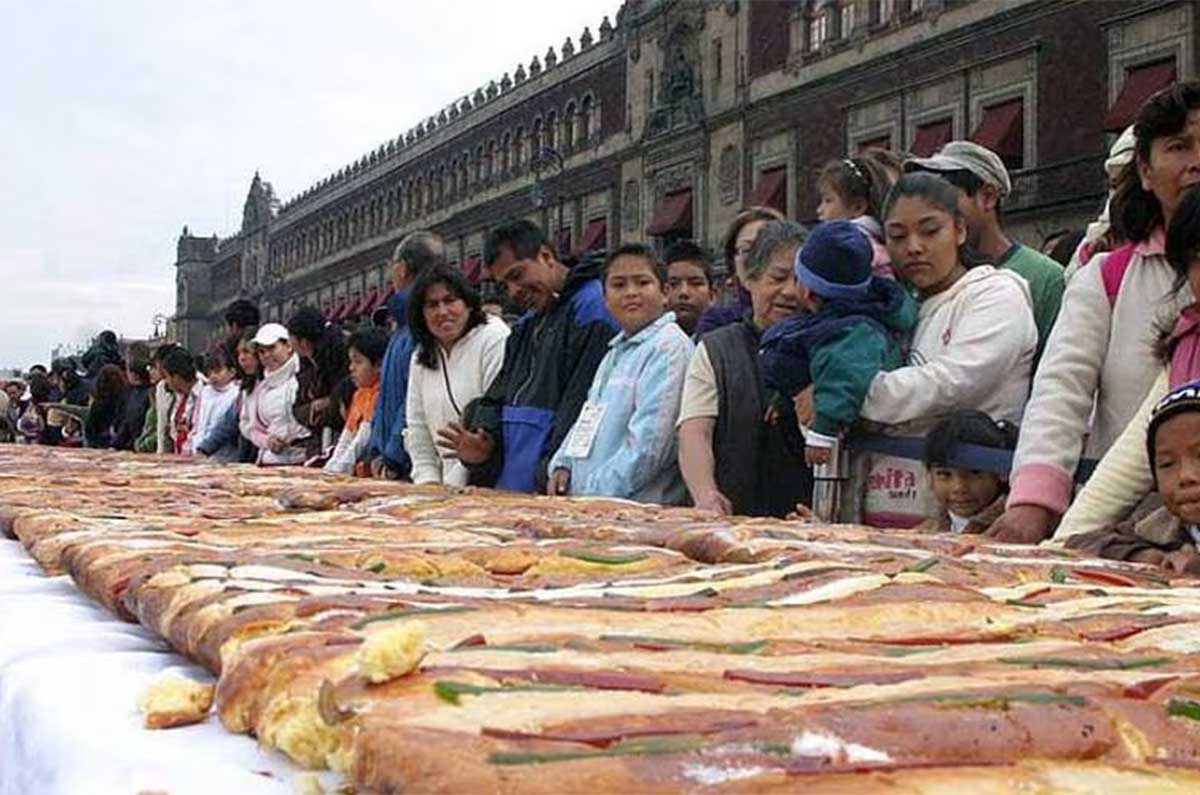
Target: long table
70,675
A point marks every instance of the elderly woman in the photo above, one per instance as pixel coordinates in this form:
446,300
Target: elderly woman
735,247
733,461
1100,360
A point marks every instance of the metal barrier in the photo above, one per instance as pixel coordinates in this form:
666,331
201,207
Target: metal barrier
829,480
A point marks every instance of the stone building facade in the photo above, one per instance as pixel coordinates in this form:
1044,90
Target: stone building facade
677,113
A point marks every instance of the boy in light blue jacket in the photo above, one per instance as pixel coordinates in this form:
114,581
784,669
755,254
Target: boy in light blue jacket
623,443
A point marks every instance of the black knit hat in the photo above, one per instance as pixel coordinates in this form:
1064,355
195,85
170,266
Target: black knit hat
1178,401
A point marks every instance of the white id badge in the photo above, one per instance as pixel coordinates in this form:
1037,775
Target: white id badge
583,435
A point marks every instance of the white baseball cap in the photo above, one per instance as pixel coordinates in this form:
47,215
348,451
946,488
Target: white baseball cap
270,334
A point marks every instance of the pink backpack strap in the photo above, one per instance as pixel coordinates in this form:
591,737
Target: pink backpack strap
1112,270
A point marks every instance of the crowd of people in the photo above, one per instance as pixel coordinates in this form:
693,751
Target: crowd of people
907,312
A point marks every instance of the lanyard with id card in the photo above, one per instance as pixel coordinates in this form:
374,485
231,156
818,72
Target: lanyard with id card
583,434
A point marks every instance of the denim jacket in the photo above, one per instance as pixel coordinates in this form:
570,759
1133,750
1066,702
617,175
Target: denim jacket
640,383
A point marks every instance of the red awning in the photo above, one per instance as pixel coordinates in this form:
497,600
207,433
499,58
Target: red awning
884,142
367,303
673,215
932,137
595,236
1140,84
340,312
473,269
356,306
771,190
378,296
329,310
1002,129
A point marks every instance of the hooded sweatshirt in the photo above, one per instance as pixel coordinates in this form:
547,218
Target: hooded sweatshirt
268,412
1099,363
972,348
548,366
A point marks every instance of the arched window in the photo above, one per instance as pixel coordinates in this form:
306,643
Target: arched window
489,160
518,154
552,130
479,175
586,129
505,152
568,126
535,140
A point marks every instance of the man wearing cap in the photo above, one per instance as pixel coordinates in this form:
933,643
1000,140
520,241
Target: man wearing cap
417,252
983,183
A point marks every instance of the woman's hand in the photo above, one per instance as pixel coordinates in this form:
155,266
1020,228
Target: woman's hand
559,483
1022,524
713,500
470,447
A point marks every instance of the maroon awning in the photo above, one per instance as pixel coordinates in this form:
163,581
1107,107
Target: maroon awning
1002,129
357,305
673,215
771,190
473,269
595,236
329,310
377,297
932,137
367,304
340,312
1140,84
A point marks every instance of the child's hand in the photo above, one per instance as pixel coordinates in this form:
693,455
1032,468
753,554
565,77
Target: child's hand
816,456
560,482
806,410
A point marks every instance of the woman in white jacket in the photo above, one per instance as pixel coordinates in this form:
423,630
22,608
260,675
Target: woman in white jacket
458,350
973,347
267,419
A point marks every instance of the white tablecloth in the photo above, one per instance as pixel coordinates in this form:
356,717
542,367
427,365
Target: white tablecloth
70,675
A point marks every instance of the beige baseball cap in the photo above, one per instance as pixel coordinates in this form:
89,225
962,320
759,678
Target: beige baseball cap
966,156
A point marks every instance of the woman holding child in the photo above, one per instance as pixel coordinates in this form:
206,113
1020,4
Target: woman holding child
972,348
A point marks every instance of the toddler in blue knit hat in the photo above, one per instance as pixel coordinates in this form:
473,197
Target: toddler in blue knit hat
850,328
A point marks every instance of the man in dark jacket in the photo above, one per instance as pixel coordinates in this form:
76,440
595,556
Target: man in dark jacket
549,361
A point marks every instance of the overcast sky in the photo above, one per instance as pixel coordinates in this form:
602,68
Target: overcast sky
122,121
